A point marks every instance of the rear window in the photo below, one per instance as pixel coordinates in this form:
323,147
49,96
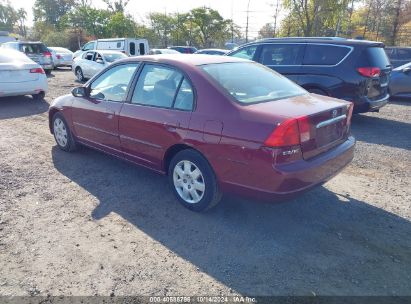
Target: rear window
324,54
377,57
33,48
249,82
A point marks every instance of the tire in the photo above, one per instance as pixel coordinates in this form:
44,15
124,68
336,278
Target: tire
39,96
195,190
79,75
48,72
317,91
62,134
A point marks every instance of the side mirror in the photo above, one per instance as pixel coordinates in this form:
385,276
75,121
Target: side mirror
79,92
101,61
406,70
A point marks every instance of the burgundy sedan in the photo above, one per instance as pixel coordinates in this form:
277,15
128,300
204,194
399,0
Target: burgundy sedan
211,123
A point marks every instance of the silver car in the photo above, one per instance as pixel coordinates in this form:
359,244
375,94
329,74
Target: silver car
64,57
36,51
92,62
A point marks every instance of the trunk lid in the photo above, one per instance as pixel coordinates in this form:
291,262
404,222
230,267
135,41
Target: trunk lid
10,73
323,121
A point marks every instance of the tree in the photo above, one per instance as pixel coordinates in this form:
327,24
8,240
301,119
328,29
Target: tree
121,25
163,25
7,16
267,31
21,19
210,26
116,6
51,11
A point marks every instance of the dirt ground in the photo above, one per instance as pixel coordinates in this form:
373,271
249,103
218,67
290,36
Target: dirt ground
88,224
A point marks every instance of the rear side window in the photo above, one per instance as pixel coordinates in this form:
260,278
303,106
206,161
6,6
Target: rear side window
281,54
142,48
324,54
404,54
377,57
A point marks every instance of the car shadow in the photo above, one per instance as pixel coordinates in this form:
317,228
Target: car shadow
322,241
382,131
21,106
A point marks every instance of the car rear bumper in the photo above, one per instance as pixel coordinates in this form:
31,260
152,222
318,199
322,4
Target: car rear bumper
368,105
47,66
24,88
288,180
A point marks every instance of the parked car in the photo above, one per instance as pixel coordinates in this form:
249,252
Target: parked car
36,51
184,49
162,51
64,57
398,55
212,51
400,83
4,37
19,75
129,46
92,62
211,123
353,70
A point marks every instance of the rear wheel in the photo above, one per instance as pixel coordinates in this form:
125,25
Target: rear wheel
79,74
48,72
193,181
62,133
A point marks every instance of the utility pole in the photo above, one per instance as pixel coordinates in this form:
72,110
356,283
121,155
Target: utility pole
246,27
275,17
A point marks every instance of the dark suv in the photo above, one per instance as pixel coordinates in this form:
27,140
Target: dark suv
398,55
184,49
354,70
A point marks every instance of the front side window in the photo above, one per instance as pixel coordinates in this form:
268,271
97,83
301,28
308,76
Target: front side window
281,54
324,54
112,84
164,87
251,83
245,53
404,54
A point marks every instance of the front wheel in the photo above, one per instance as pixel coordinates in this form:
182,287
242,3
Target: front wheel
79,75
62,133
193,181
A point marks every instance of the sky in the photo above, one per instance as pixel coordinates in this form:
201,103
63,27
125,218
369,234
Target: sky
260,13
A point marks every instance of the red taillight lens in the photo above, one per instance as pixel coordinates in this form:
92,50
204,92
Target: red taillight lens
58,56
369,71
37,71
286,134
47,54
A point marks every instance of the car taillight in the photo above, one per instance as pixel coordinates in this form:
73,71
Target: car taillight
47,54
290,132
369,71
37,71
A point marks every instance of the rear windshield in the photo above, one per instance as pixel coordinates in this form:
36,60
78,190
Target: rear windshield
113,57
32,48
250,82
377,57
324,54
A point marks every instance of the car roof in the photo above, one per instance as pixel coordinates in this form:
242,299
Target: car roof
220,50
186,60
106,51
322,40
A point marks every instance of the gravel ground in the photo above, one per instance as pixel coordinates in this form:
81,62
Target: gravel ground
88,224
